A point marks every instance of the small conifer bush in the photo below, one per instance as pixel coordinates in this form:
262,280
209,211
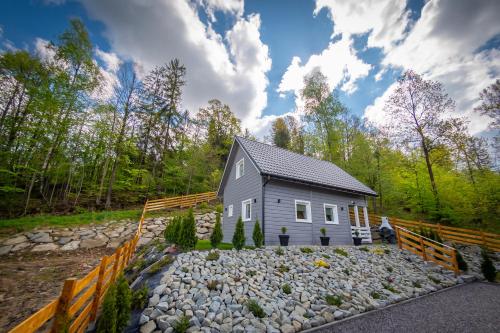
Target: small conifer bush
217,235
279,251
123,303
462,264
255,308
172,230
187,235
107,320
181,325
212,256
140,297
333,300
239,235
286,288
257,236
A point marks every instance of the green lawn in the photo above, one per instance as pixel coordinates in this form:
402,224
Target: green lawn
204,245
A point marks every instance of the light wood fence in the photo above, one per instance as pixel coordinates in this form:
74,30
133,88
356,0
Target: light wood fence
80,299
428,249
452,234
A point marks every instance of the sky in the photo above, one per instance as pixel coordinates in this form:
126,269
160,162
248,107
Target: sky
253,55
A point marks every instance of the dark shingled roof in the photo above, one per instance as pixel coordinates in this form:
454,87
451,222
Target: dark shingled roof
282,163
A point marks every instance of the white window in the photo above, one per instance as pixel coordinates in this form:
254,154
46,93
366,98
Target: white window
331,214
302,211
246,210
240,168
229,210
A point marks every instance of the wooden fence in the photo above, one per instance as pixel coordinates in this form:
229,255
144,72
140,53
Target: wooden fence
79,301
428,249
452,234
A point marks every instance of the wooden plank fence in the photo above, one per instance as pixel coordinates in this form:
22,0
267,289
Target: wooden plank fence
452,234
428,249
78,304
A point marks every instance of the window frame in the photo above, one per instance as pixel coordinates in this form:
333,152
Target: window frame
230,211
335,213
243,210
238,174
308,211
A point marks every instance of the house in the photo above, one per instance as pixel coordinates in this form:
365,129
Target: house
281,188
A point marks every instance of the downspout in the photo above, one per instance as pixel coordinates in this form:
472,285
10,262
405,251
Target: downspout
264,183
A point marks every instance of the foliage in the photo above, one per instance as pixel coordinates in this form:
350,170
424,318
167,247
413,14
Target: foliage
286,288
255,308
462,264
108,320
123,303
187,235
326,256
389,287
306,250
251,273
279,251
239,235
375,295
390,269
157,266
172,231
434,279
181,325
346,271
280,133
212,256
283,230
257,236
283,268
323,231
333,300
140,297
341,252
205,244
321,263
487,267
217,235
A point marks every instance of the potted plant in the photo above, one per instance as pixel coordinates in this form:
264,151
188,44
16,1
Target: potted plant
284,238
356,239
324,240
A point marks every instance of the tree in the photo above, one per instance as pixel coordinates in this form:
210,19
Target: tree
123,303
490,103
216,236
257,236
107,320
296,134
187,239
415,108
280,133
173,229
239,235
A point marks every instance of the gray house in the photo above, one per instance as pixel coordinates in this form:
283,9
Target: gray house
281,188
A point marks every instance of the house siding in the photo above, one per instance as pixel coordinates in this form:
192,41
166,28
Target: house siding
282,214
249,186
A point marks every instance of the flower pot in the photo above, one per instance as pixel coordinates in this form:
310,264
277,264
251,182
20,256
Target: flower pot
284,240
357,241
324,240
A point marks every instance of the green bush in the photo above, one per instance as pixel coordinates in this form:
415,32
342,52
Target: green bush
251,273
375,295
286,288
487,267
255,308
323,231
279,251
346,271
306,250
462,264
239,235
333,300
212,256
257,236
389,287
108,319
157,266
173,229
203,206
283,230
140,297
123,303
364,249
217,235
389,269
326,256
187,236
341,252
283,269
181,325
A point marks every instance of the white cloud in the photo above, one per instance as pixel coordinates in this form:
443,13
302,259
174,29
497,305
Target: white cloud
234,7
442,45
111,60
338,62
45,52
153,33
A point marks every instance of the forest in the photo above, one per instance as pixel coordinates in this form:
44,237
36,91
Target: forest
64,150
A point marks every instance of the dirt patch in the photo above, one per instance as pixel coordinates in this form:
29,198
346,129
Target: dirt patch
28,281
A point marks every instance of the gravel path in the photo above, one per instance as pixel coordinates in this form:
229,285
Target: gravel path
472,307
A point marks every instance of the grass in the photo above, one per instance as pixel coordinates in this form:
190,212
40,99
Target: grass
157,266
306,250
283,269
181,325
375,295
333,300
364,249
390,288
279,251
212,256
341,252
204,245
255,308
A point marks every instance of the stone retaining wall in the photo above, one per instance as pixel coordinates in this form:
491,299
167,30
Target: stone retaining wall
110,234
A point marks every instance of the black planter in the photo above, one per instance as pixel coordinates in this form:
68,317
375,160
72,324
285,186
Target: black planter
357,241
284,240
324,240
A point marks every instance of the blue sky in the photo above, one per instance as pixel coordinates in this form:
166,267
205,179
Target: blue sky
253,54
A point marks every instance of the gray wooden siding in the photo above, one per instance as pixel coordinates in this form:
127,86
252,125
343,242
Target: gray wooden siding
249,186
282,214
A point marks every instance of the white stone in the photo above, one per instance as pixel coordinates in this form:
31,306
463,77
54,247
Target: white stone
15,240
45,247
73,245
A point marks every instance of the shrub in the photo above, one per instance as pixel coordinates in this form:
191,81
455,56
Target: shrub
283,269
257,236
346,271
181,325
217,235
389,269
212,256
286,288
323,231
375,295
364,249
203,205
255,308
157,266
283,230
389,287
251,273
387,251
326,256
239,235
219,208
107,320
187,234
462,264
487,267
123,303
341,252
185,269
306,250
333,300
279,251
140,297
172,230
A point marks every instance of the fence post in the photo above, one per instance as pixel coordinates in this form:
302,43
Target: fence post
116,264
125,256
483,239
398,236
439,230
61,318
422,247
98,288
455,262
